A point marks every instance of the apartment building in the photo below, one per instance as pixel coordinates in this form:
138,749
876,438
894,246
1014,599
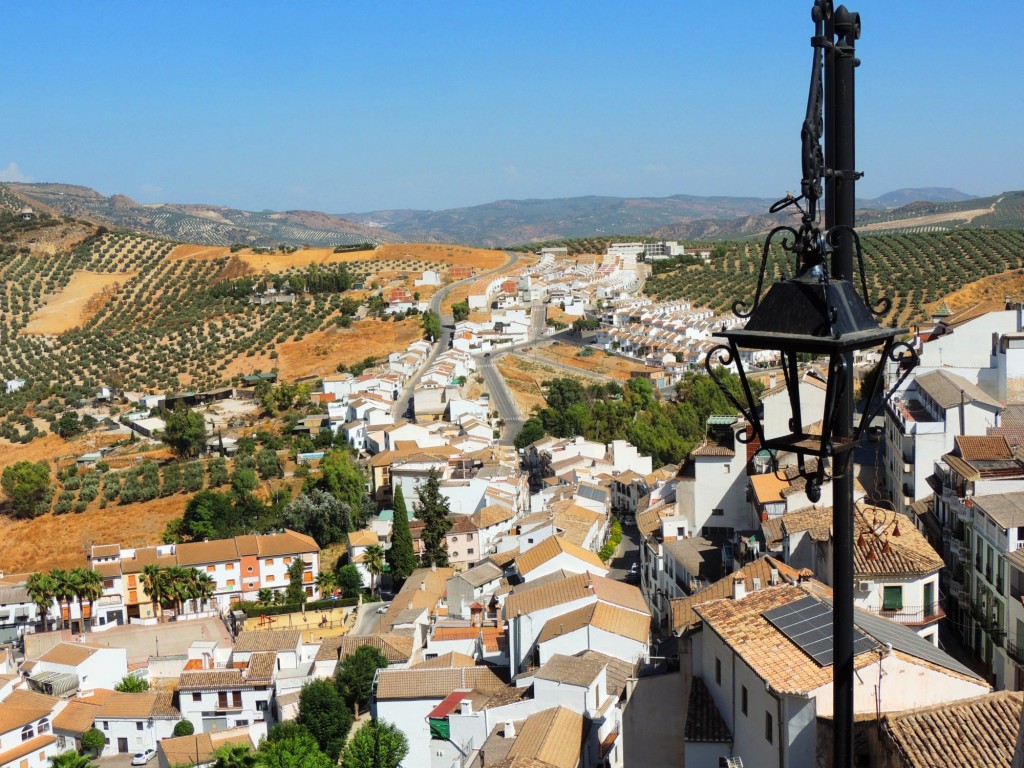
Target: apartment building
239,567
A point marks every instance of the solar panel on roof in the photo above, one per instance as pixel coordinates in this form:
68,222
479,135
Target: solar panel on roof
808,624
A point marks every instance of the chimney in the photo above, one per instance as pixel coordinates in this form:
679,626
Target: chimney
739,585
805,574
466,707
510,729
775,577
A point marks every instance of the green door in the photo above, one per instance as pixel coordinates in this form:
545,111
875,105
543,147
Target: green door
929,599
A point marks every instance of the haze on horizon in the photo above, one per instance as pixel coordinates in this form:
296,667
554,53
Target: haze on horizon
355,107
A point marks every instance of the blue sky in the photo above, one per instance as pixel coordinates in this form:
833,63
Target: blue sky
347,106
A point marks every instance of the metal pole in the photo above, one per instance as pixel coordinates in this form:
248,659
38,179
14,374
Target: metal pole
839,209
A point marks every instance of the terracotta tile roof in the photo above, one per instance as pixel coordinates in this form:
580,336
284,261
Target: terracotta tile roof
576,522
610,618
617,671
211,680
769,653
462,524
26,748
363,538
768,487
435,586
247,544
199,552
105,550
22,707
492,514
146,556
495,639
550,548
482,573
434,683
973,312
446,661
1005,509
77,716
683,615
108,570
69,654
137,706
554,737
268,640
287,543
712,449
909,554
971,732
573,670
704,722
983,448
198,749
947,389
396,648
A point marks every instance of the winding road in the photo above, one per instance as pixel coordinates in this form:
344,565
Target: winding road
401,406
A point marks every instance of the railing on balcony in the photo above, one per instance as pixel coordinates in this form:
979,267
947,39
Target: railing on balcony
1015,651
964,512
913,615
964,556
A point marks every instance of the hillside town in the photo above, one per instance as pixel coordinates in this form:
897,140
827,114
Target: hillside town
580,605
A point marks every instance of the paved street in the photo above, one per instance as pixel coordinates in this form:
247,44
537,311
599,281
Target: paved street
401,406
368,622
629,553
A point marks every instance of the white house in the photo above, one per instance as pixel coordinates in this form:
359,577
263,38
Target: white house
135,722
556,554
217,698
769,688
617,632
26,729
406,696
69,667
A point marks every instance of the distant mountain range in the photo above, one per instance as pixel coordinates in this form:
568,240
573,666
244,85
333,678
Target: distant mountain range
508,222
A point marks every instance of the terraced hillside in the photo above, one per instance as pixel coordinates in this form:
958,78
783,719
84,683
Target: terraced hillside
914,270
121,310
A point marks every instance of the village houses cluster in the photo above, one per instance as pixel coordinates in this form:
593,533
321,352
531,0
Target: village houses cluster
530,649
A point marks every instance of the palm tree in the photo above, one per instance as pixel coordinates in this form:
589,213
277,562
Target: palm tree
265,596
90,587
234,756
326,583
42,589
154,583
373,560
63,590
70,759
202,587
178,585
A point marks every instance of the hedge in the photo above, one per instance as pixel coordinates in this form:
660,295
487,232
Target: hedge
253,610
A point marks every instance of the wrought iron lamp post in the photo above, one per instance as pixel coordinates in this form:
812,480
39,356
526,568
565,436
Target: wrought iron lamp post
818,312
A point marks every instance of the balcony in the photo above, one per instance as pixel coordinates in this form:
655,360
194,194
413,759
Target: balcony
964,558
962,508
1015,651
913,616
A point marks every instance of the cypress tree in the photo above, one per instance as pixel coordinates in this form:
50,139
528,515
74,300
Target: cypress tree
433,510
401,557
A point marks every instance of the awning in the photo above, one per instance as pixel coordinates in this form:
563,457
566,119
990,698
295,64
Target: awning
54,683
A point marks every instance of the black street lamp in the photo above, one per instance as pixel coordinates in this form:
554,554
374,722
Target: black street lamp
818,312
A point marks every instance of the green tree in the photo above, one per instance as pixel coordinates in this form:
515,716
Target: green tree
268,464
63,588
531,431
208,515
184,728
27,486
88,587
431,325
341,478
401,557
374,562
155,585
319,514
460,311
378,744
355,673
185,432
265,596
322,710
234,756
68,425
434,511
326,582
132,684
349,580
295,593
70,759
299,751
41,589
93,741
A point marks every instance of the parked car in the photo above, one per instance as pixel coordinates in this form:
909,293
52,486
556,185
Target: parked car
141,758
